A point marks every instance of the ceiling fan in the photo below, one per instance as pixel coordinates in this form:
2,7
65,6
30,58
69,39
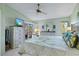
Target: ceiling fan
38,10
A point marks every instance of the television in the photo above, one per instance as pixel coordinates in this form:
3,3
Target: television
19,22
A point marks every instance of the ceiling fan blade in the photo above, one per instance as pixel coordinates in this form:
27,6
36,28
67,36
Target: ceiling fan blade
43,12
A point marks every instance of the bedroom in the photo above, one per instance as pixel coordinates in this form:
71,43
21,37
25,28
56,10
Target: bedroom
43,23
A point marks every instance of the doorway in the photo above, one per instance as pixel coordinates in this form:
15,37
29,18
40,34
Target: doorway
7,40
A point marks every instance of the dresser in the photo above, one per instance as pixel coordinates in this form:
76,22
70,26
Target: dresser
17,36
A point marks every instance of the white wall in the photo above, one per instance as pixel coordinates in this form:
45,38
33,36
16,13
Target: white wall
52,22
0,32
74,17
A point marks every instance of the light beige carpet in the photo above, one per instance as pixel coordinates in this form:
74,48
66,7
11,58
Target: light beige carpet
44,46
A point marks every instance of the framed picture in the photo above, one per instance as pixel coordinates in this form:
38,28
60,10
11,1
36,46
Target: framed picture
42,26
54,26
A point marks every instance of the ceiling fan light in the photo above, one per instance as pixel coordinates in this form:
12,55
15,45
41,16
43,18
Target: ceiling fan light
38,10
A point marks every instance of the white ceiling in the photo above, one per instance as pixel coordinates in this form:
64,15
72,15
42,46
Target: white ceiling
53,10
